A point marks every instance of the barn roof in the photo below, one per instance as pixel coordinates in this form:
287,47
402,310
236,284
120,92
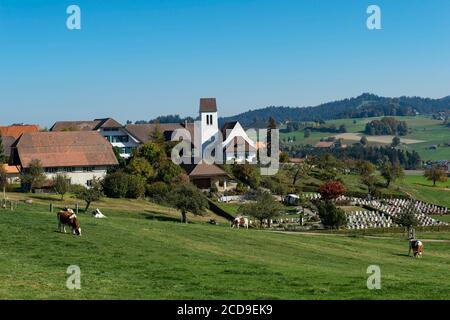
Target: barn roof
208,105
75,125
63,149
85,125
16,130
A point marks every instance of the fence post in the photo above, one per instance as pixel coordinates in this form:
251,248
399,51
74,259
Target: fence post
76,208
51,207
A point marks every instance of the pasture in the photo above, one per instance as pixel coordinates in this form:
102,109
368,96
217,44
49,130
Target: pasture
422,189
141,254
424,133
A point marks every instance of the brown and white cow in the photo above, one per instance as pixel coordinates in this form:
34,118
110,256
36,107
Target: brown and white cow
416,246
240,221
69,218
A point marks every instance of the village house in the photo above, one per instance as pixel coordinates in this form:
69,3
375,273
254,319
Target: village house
235,144
109,128
12,173
82,155
9,135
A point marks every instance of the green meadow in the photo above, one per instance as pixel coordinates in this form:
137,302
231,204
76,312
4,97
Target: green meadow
147,254
423,128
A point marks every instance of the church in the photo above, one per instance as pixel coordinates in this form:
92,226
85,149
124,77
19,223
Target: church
231,140
236,145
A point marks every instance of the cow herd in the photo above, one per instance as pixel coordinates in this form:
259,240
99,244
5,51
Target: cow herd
67,217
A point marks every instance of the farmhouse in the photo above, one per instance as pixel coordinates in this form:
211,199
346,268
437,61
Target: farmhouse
82,155
109,128
236,144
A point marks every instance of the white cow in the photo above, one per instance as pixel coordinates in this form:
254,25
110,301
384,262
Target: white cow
98,214
240,221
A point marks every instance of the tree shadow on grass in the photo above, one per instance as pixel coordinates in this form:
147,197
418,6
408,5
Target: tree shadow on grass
159,217
401,254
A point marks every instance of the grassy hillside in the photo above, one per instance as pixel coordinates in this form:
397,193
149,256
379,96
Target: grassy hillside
137,255
422,189
433,132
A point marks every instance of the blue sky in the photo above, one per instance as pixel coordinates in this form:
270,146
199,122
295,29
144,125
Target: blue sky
139,59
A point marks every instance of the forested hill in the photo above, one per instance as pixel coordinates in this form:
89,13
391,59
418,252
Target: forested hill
365,105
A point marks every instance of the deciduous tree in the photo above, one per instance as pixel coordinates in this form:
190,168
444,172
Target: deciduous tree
187,198
436,173
331,190
61,184
265,207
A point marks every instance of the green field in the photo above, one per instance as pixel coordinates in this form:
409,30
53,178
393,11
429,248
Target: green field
433,132
147,255
422,189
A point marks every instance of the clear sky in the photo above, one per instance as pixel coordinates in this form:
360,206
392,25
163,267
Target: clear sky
142,58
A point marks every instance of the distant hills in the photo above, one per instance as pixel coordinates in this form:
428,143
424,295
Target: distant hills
365,105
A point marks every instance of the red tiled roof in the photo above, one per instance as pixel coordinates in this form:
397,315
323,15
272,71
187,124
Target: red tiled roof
16,131
63,149
324,144
204,170
10,169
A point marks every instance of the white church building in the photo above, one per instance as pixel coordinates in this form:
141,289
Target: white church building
236,145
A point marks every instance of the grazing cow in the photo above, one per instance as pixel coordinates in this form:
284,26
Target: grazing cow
416,246
68,217
240,221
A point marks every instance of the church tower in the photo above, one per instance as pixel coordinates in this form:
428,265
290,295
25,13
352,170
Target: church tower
208,117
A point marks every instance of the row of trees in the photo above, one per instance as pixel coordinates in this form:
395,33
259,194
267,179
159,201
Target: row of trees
332,128
386,126
407,159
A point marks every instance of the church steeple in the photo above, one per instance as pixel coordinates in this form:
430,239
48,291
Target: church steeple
208,118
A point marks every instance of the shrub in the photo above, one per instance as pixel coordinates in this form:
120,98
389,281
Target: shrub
330,215
136,187
115,185
158,191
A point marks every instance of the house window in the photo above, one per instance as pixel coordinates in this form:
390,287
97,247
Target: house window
89,183
210,119
51,170
88,169
119,139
